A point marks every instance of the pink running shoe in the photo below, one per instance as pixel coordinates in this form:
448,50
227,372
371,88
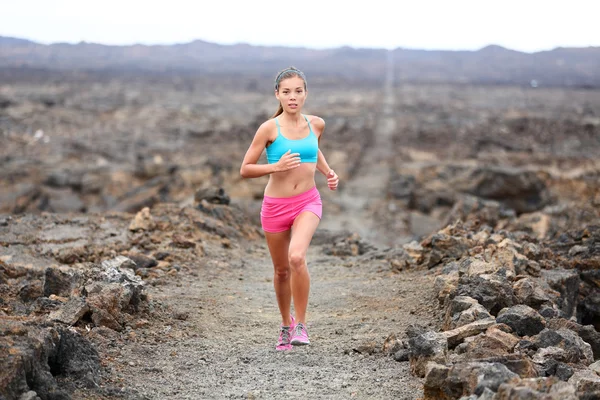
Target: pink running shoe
300,335
285,335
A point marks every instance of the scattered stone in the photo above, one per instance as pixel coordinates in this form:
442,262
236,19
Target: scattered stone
566,282
37,357
448,247
56,282
529,292
71,312
61,201
522,191
445,286
524,320
402,187
577,250
494,343
368,348
587,332
71,255
586,382
492,291
590,335
151,193
212,195
392,344
181,315
464,378
31,291
595,367
75,357
457,335
476,265
463,310
537,389
435,378
426,347
562,371
354,245
31,395
142,261
142,221
402,355
575,349
118,269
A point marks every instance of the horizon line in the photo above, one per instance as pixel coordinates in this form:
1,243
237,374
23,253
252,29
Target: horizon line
74,43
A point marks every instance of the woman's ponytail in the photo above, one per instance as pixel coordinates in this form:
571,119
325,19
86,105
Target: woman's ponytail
278,112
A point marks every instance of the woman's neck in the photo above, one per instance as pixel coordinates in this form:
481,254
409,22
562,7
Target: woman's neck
291,119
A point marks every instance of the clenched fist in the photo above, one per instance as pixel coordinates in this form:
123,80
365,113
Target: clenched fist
332,180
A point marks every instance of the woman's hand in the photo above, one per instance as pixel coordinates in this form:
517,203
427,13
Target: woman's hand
332,180
288,161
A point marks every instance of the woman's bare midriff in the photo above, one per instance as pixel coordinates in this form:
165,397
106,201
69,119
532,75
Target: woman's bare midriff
292,182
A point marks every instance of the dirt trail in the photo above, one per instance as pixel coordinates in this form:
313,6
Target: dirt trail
224,345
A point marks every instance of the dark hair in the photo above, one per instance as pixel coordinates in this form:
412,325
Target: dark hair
289,72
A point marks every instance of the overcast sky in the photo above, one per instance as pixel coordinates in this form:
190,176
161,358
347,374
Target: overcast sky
525,25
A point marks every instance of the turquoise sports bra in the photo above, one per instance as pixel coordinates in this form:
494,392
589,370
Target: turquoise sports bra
307,147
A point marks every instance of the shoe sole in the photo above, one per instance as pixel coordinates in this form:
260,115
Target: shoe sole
299,343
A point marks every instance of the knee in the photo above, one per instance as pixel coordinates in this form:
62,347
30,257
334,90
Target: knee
297,260
282,274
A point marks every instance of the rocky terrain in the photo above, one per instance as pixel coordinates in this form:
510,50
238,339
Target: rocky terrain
459,258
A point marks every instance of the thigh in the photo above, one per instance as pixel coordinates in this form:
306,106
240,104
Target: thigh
279,244
303,229
275,217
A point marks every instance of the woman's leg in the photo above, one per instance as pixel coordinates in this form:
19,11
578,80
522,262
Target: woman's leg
303,230
279,244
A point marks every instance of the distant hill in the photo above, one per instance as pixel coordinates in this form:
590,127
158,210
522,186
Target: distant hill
492,64
495,64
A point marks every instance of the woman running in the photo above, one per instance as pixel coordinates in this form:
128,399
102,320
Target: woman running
291,208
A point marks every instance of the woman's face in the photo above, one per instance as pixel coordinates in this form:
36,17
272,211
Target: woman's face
291,94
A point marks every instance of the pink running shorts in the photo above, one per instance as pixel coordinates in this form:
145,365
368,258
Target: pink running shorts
277,214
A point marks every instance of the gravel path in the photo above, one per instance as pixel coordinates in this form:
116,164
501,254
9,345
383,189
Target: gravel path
225,347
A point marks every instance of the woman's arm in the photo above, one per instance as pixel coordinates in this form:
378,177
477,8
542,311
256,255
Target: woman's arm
319,124
322,165
250,168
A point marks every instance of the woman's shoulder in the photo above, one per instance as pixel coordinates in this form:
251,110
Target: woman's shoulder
317,122
267,125
267,129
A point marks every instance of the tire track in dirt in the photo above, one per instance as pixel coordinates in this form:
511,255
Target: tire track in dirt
368,187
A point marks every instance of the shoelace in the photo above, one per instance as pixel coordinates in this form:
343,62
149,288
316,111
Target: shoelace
285,335
300,329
